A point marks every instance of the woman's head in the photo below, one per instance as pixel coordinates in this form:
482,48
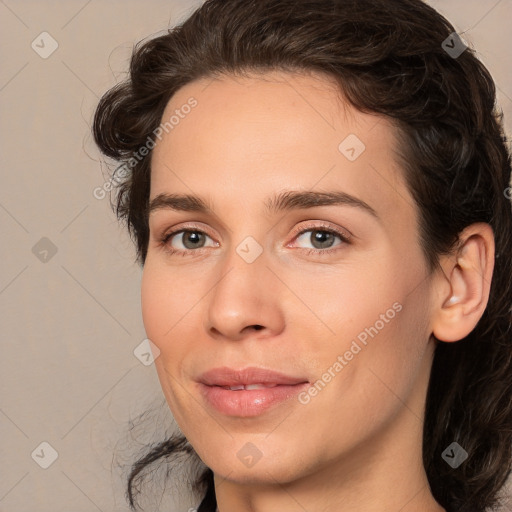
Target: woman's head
256,109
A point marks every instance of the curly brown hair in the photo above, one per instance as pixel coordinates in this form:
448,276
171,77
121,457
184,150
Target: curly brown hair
389,57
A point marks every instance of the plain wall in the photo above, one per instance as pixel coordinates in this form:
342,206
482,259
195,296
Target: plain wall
70,324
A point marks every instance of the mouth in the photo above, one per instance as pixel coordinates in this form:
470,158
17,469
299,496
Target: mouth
248,392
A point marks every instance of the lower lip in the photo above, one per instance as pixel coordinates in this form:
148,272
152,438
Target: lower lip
246,403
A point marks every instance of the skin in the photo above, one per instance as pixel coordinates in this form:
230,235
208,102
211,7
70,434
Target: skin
356,445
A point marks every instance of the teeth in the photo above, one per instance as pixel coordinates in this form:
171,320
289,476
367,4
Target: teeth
259,386
249,387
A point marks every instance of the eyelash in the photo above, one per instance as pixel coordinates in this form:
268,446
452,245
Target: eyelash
344,237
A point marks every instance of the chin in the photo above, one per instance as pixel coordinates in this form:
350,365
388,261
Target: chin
249,465
262,473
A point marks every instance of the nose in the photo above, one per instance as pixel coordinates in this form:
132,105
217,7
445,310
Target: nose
246,299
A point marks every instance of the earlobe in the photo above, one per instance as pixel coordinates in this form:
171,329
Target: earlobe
464,286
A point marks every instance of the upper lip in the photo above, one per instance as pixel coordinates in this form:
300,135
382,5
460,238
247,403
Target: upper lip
225,376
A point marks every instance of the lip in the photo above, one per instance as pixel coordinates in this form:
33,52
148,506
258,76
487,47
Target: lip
225,376
248,402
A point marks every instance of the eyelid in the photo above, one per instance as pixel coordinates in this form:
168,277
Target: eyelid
184,227
319,225
171,232
315,224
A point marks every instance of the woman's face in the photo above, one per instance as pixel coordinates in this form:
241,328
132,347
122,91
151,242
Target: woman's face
334,296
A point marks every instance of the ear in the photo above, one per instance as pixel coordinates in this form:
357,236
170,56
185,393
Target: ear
464,284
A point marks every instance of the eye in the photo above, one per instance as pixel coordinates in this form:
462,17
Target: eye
185,241
192,240
322,237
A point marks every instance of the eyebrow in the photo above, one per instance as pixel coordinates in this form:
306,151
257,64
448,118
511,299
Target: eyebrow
284,201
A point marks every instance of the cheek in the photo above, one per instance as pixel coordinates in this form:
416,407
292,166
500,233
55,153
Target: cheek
160,303
380,321
169,306
152,305
164,317
386,347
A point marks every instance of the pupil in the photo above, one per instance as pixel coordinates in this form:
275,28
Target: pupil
191,235
320,235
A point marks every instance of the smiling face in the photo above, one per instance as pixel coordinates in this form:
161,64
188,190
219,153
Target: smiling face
330,288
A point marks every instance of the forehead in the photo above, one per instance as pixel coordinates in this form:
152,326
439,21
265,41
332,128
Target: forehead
276,130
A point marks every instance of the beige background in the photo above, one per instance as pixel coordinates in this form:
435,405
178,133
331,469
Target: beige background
70,325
